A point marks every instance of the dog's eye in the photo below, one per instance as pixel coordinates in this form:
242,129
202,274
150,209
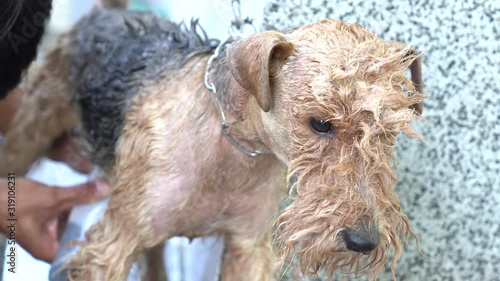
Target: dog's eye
320,126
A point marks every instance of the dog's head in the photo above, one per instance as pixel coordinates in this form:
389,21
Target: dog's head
333,97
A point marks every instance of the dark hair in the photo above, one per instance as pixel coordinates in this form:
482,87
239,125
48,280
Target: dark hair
9,11
22,24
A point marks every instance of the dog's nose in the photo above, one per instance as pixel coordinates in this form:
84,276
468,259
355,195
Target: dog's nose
363,239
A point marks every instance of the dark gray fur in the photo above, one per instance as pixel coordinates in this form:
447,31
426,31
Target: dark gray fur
119,52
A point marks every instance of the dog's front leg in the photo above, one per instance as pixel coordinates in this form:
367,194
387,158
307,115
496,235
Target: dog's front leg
248,259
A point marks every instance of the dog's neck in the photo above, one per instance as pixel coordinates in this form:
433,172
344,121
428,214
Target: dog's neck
242,112
231,96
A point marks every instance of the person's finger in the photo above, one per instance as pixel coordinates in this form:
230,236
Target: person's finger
36,237
57,151
66,149
48,251
50,237
50,233
75,159
85,193
62,221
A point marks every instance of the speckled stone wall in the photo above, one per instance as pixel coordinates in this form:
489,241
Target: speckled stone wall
449,185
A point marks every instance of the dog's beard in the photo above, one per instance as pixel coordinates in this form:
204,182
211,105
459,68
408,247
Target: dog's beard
308,232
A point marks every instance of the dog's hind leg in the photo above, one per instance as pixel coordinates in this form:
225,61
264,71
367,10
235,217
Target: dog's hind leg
45,113
120,237
126,229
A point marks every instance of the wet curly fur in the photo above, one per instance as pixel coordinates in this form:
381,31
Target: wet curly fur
348,178
154,129
130,49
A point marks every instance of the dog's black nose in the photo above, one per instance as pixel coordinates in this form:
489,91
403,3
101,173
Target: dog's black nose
363,239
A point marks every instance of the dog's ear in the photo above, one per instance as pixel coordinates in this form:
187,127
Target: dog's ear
254,60
415,69
416,77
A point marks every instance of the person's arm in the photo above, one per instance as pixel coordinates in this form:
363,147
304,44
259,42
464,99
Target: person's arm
41,212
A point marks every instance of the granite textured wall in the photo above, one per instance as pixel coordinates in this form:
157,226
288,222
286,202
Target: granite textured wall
449,185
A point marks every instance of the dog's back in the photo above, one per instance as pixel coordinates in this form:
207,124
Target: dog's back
105,60
118,54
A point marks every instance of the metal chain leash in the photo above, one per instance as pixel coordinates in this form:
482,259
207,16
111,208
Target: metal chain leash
235,32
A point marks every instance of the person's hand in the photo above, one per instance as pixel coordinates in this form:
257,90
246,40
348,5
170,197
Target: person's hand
66,149
42,212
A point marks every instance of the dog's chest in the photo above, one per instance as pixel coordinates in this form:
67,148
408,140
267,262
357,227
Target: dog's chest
212,197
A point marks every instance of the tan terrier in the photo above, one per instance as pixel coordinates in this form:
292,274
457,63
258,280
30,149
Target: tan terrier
322,104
